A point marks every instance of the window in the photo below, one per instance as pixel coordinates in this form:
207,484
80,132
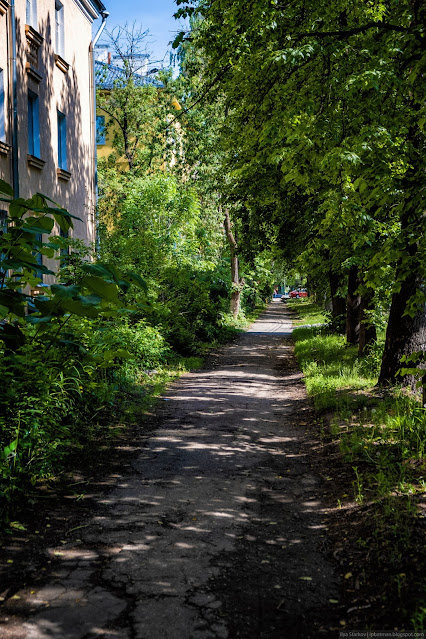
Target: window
100,130
32,13
62,141
59,29
33,125
2,118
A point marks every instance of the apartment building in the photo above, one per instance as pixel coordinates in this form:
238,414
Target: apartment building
47,103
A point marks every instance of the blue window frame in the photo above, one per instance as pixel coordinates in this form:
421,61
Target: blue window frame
62,141
2,115
100,130
33,125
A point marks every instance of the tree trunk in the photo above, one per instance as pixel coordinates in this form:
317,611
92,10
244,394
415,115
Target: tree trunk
367,331
235,279
338,304
353,307
404,334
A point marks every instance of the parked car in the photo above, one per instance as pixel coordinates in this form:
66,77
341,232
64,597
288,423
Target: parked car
299,292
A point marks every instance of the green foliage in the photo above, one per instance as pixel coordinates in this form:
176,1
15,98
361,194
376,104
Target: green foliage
158,226
151,222
258,283
57,375
334,179
46,408
331,369
309,312
194,303
146,345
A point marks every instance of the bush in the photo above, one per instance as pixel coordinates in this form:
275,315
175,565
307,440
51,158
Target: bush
45,405
193,304
145,343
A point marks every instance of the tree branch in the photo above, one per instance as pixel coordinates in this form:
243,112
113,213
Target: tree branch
203,95
111,115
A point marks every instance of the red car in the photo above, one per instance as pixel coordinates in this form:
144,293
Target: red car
299,292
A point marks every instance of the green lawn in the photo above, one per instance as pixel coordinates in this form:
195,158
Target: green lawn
309,312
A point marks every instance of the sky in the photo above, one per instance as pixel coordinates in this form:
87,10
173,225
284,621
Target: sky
154,15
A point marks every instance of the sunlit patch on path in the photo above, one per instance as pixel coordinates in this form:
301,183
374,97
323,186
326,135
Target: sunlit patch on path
218,529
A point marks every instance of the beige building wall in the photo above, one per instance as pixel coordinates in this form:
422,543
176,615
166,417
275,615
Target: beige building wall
61,83
5,155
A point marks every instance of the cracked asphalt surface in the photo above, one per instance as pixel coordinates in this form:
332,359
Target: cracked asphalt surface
217,530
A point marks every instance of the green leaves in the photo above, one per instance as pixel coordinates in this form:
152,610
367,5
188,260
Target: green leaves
6,188
137,280
106,290
18,208
65,292
10,450
96,292
100,270
13,301
39,224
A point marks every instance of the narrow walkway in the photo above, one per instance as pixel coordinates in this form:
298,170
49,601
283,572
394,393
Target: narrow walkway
217,532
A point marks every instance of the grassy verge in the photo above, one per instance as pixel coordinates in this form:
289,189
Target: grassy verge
308,312
382,440
138,399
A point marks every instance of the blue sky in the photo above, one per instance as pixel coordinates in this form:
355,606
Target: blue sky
155,15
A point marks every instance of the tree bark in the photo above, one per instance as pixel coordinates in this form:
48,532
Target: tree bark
235,279
367,331
338,304
404,335
353,307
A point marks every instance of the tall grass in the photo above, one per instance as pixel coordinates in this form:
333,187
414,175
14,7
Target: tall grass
382,437
309,312
331,369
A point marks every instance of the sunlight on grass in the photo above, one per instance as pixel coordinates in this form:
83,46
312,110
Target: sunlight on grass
329,366
382,438
309,312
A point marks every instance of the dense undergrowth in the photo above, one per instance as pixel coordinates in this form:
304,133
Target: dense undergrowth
58,402
99,344
382,438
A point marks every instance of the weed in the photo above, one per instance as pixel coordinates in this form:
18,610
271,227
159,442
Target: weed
358,485
419,619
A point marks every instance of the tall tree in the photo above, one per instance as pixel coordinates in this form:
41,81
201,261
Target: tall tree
235,277
327,96
136,104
